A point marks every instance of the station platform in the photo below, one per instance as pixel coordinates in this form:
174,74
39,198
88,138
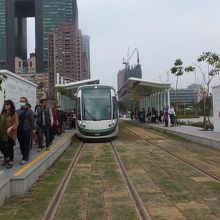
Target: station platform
194,134
17,180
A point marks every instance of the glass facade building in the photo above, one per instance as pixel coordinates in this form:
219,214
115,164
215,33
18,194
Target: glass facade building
55,12
185,97
49,14
2,33
86,55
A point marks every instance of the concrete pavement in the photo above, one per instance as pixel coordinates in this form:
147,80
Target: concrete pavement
18,179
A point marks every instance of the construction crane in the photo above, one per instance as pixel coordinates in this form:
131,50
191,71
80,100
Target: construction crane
126,63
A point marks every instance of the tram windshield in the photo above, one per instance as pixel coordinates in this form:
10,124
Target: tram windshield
96,104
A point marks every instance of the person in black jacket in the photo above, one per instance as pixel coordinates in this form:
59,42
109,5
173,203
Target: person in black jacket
43,123
25,128
61,120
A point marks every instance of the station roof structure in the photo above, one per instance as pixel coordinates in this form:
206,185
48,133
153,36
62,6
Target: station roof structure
140,87
75,85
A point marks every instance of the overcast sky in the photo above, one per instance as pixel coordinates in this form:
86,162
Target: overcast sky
162,30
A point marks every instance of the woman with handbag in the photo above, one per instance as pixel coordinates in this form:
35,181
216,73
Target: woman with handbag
8,132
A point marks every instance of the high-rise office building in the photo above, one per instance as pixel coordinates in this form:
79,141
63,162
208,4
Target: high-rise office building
86,56
65,55
13,27
121,78
130,71
2,34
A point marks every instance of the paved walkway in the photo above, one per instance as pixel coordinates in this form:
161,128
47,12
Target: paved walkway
195,134
212,135
20,178
35,157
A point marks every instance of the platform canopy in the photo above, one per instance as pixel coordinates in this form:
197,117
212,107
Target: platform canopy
141,87
66,91
149,94
75,85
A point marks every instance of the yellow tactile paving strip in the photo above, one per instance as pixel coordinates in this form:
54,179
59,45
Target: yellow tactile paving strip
42,155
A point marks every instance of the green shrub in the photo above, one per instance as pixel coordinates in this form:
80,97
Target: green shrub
192,115
210,126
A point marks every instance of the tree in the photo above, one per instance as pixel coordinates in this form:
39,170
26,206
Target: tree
40,87
66,92
3,77
178,70
209,67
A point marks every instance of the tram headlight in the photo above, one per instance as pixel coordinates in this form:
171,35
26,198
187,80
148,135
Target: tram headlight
82,124
110,124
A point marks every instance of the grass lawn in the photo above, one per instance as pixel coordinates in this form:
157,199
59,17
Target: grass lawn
34,203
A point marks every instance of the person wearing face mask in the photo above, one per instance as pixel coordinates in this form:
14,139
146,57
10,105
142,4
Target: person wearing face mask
25,129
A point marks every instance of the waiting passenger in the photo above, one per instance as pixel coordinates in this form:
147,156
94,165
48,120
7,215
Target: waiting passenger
51,131
136,115
172,116
25,129
132,115
148,115
43,123
166,117
33,133
160,117
8,132
55,120
154,116
61,120
142,116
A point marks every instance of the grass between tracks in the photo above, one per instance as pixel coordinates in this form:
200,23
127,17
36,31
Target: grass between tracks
34,203
96,191
169,188
163,134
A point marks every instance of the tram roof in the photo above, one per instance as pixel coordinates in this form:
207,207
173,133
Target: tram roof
75,85
141,87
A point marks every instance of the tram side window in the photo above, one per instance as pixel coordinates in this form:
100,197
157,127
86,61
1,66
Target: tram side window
78,109
115,108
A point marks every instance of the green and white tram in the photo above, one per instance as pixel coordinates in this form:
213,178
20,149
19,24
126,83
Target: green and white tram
96,112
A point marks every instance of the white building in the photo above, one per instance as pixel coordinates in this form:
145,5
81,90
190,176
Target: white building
15,87
216,107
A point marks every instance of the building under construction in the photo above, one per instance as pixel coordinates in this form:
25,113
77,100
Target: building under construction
129,70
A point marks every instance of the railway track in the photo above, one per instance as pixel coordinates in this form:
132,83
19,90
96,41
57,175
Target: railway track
138,203
51,211
55,202
139,133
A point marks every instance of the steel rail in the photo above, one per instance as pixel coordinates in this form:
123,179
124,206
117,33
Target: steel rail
51,210
177,157
135,197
